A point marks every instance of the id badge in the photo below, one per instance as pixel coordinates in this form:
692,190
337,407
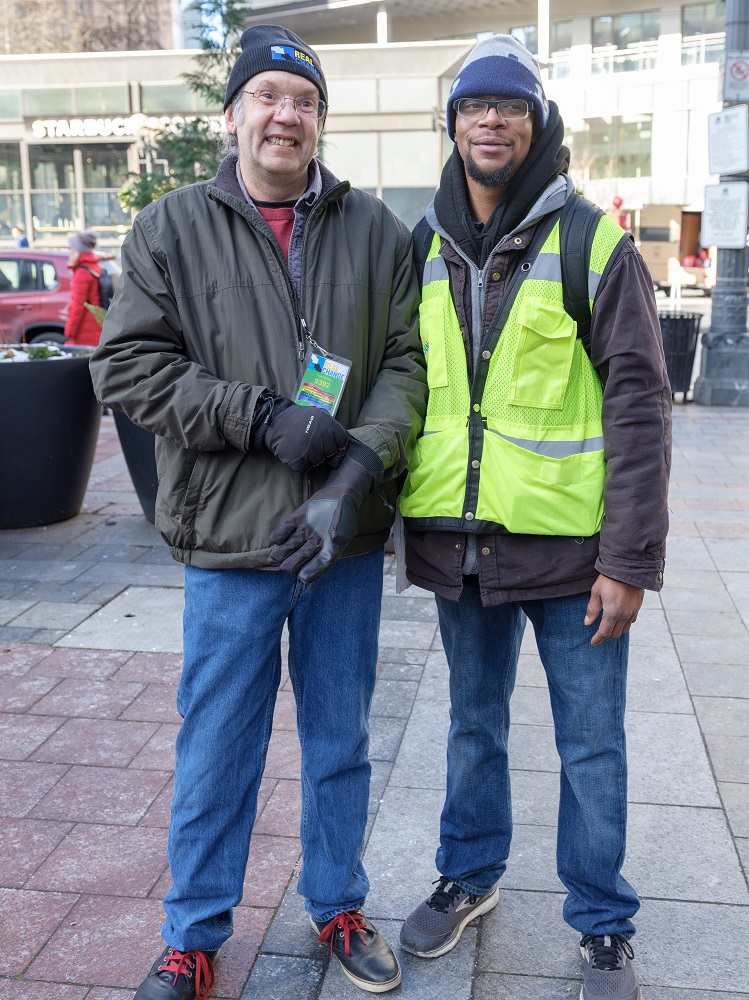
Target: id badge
323,381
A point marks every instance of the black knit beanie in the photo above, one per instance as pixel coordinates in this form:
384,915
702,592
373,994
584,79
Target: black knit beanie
271,47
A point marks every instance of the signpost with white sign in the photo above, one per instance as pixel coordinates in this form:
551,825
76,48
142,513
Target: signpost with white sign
726,215
728,140
736,78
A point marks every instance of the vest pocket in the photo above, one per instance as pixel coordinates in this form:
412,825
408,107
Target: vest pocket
432,329
436,481
545,346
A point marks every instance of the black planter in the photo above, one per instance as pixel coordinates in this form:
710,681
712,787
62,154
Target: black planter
139,449
50,422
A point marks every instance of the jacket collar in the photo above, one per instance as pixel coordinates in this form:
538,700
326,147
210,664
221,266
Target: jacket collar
226,179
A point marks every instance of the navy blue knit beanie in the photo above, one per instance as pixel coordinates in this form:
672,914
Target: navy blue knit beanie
499,66
271,47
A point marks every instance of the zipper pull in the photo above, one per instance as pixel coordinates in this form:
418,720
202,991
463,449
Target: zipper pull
304,335
481,279
384,501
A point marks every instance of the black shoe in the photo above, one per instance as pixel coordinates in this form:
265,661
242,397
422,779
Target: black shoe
366,958
608,972
436,925
178,975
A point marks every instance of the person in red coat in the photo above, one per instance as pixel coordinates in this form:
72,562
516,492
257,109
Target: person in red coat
81,326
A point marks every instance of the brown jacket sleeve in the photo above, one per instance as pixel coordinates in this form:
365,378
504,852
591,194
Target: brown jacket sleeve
626,339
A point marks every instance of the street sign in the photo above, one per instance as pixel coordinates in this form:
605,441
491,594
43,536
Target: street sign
736,78
726,215
728,140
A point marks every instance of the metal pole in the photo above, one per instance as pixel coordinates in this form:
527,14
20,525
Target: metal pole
724,369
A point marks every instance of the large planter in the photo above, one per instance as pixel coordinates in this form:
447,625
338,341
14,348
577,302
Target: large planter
139,449
50,422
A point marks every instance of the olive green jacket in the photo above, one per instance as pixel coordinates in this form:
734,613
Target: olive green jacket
206,318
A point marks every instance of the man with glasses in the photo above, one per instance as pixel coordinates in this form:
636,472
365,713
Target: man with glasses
537,491
265,330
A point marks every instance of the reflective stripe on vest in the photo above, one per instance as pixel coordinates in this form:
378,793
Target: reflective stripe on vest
528,453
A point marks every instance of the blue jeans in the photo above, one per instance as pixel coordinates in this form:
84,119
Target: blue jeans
232,668
587,686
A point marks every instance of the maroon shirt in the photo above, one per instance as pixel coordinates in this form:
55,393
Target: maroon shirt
280,218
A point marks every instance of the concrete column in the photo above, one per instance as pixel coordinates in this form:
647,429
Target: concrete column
724,374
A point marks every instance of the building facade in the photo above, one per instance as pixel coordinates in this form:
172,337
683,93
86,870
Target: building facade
634,87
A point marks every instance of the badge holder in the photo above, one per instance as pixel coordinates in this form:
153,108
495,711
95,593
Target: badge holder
323,380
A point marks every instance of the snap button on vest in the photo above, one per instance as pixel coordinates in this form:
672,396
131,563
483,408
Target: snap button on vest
485,551
469,516
486,355
496,276
476,407
475,463
517,241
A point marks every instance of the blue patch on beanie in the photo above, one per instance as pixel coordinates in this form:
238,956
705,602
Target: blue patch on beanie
499,67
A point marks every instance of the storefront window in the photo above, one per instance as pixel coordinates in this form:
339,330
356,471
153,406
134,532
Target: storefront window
622,30
10,104
103,211
156,98
43,103
102,101
703,18
104,165
561,36
10,167
53,213
611,147
11,213
52,167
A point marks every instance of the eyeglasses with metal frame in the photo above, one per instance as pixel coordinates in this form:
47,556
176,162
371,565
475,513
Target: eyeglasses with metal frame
474,110
270,100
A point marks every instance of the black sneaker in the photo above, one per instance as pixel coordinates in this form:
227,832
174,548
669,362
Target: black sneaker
366,958
608,972
178,975
436,925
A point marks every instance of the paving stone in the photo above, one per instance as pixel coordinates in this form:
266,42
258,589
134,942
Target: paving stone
742,846
532,860
385,737
96,741
400,672
388,589
282,812
158,753
20,657
151,668
290,932
393,699
450,977
729,756
284,755
96,664
47,635
136,574
510,943
723,716
159,810
489,986
398,654
271,863
532,748
402,608
381,771
10,635
24,845
650,629
88,698
735,798
698,842
155,703
435,680
655,681
422,759
712,649
692,579
12,609
41,571
667,762
412,634
141,618
103,941
688,553
27,921
720,623
277,977
23,784
18,693
530,706
535,797
731,555
101,795
104,860
20,735
531,672
26,990
661,993
400,879
718,680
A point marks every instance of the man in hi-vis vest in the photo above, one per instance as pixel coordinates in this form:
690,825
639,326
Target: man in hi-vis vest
537,490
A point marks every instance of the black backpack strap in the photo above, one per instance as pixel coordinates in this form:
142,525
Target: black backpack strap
578,224
423,235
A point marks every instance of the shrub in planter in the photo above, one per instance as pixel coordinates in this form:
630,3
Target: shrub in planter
50,420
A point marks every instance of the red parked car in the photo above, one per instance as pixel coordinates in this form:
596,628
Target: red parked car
34,294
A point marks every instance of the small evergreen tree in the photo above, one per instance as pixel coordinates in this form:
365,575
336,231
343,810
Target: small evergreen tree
192,149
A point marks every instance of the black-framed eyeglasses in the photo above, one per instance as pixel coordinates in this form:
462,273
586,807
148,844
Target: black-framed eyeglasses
308,107
474,110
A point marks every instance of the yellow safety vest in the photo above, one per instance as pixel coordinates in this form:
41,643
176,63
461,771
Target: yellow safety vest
522,446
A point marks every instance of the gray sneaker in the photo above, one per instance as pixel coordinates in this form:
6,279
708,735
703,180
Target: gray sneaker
608,972
435,926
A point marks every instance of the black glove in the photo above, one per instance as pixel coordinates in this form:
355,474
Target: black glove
304,436
310,541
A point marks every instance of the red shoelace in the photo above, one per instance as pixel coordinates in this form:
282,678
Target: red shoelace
349,921
185,963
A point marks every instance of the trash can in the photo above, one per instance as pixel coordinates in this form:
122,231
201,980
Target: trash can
679,331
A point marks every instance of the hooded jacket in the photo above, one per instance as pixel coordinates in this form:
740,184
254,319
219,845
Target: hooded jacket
636,415
81,326
206,320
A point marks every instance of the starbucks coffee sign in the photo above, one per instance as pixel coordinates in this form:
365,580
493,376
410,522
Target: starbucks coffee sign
91,128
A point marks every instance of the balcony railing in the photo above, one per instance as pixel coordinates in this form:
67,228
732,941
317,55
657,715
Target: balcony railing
700,49
636,57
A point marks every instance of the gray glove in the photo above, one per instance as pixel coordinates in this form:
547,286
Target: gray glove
304,436
310,541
